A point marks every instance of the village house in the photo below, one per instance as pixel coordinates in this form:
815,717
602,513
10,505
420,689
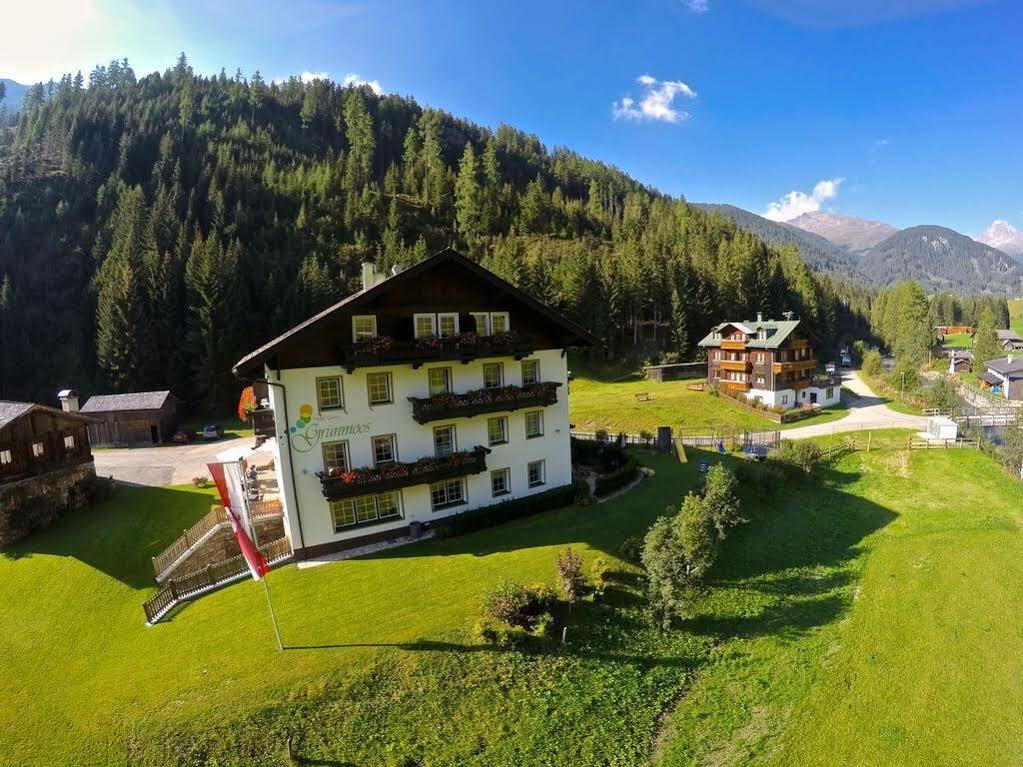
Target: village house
771,361
1009,340
1004,376
960,361
134,419
436,390
46,466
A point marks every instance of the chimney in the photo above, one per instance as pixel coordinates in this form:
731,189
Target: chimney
760,316
68,400
369,275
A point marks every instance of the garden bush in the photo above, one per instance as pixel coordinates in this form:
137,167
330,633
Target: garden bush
514,604
488,516
798,454
569,567
631,549
618,478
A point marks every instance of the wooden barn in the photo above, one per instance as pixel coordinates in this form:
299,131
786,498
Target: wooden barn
135,419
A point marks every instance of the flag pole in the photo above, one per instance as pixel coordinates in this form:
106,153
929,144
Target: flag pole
266,586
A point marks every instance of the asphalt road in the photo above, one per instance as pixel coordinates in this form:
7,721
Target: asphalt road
170,465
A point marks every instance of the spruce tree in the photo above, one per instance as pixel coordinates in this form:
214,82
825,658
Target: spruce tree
468,204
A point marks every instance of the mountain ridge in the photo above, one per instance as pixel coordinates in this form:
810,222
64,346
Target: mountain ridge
851,233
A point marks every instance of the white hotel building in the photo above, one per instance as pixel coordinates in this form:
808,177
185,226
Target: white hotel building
437,390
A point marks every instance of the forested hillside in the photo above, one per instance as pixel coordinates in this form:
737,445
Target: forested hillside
154,230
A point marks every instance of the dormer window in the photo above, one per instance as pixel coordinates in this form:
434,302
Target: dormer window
364,327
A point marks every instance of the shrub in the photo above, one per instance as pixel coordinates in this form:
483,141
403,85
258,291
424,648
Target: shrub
543,628
488,516
873,364
598,575
646,438
763,476
515,605
601,436
569,567
618,478
665,563
799,454
631,549
941,395
202,481
720,499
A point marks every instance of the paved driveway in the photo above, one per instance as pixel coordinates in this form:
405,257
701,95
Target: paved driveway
171,465
866,411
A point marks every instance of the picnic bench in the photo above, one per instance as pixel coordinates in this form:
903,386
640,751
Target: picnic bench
699,386
642,396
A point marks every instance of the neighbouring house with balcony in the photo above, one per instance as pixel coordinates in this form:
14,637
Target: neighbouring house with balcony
772,361
46,467
435,390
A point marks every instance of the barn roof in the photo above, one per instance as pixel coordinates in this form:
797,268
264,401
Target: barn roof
140,400
12,411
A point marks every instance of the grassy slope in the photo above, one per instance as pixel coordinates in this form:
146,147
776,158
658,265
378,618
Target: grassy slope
780,666
958,341
1016,314
601,402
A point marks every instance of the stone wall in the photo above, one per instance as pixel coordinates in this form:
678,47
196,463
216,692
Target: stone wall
35,503
222,545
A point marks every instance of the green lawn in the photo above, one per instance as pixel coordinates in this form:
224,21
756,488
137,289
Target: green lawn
958,341
612,405
863,617
1016,314
230,426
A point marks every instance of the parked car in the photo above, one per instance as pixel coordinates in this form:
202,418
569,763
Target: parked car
182,437
211,432
830,368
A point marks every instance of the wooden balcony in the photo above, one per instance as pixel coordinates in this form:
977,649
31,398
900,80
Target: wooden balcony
480,401
464,347
795,366
733,345
734,385
740,366
798,343
393,476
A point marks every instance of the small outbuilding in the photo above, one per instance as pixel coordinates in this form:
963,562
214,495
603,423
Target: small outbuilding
940,427
960,361
135,419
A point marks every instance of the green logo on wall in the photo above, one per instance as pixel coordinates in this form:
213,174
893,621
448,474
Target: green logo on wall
306,432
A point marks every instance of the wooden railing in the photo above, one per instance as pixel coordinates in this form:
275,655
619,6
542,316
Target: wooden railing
397,475
210,577
794,366
465,346
478,401
165,561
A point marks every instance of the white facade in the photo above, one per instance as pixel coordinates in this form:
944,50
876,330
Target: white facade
785,398
824,396
299,446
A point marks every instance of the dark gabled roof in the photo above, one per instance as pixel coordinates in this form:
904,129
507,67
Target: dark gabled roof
990,378
12,411
778,332
364,296
1007,334
1008,366
141,400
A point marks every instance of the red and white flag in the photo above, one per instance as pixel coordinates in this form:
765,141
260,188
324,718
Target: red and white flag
228,479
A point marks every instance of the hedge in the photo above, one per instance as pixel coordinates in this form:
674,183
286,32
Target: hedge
499,513
618,478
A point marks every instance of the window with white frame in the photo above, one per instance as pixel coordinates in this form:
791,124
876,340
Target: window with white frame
482,323
38,450
335,455
717,354
444,495
383,449
379,387
493,375
497,430
329,395
425,324
499,323
784,399
69,441
534,424
500,482
439,380
536,471
530,372
365,510
364,327
6,458
447,324
443,441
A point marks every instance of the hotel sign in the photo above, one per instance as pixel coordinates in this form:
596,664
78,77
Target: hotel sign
308,432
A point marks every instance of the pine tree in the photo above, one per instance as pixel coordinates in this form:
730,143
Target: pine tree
468,204
360,139
985,341
120,314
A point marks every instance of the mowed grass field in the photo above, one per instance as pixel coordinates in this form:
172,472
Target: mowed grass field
1016,314
864,616
609,402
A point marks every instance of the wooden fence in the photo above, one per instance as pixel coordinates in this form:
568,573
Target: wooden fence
177,590
916,443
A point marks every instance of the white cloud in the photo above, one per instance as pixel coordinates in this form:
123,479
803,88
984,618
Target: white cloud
353,79
656,103
308,77
796,203
698,6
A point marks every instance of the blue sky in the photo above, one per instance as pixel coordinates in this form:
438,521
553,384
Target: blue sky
910,111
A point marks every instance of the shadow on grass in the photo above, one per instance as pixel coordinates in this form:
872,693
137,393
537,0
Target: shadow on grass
120,535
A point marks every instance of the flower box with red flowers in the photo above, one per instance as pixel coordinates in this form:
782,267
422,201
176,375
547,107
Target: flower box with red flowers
480,401
342,483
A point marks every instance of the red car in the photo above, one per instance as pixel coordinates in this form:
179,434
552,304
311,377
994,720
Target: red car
182,437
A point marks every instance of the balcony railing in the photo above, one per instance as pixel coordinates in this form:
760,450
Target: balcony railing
338,484
795,366
734,385
725,344
479,401
384,350
739,365
263,423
